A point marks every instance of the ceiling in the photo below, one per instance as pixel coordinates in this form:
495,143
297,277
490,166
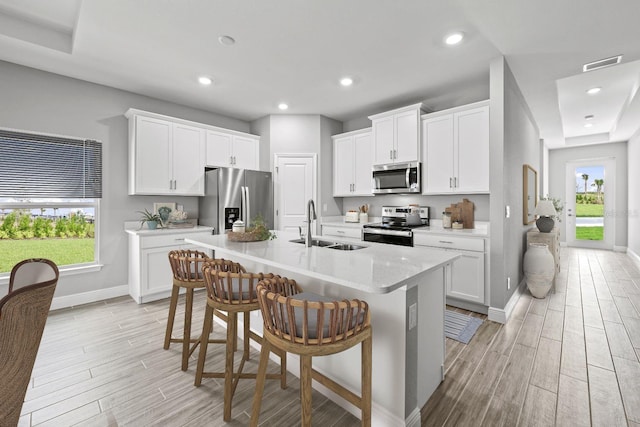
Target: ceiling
296,51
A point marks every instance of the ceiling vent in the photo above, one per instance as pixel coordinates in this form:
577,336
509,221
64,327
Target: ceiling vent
601,63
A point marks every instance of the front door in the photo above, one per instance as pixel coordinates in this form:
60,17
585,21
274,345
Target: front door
589,196
294,185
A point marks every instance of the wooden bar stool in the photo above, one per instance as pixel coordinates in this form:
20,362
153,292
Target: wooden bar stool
187,273
233,293
311,325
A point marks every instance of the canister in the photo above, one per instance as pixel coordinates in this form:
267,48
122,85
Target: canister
446,219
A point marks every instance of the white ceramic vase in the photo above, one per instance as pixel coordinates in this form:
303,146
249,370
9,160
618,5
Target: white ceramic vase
538,269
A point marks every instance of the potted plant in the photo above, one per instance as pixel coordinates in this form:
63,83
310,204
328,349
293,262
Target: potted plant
152,219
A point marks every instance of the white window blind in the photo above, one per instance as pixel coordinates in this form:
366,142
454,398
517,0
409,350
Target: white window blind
33,165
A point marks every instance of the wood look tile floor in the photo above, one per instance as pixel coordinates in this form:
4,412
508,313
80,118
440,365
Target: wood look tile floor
567,360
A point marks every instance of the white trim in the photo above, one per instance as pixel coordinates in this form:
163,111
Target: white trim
502,315
622,249
88,297
70,270
276,180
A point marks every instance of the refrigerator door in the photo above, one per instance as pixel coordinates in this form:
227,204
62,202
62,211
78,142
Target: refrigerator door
230,183
259,194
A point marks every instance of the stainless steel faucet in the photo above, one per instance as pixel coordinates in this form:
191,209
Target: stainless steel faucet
311,215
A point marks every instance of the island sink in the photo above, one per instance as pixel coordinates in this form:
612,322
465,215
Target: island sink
330,245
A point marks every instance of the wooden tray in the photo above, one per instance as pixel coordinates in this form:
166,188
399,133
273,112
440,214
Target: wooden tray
243,237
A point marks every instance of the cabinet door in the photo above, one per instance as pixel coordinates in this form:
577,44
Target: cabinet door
156,273
245,153
407,131
437,171
188,165
343,160
218,149
152,172
467,277
362,165
472,150
383,140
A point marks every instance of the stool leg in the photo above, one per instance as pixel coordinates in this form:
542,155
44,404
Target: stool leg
246,333
260,379
207,325
232,327
283,368
305,390
172,314
366,382
186,341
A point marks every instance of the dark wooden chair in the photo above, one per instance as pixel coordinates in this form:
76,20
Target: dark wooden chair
310,325
23,314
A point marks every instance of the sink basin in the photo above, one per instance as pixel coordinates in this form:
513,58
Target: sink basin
345,247
314,242
330,245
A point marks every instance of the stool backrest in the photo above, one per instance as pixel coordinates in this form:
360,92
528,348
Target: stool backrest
187,264
30,271
309,319
228,287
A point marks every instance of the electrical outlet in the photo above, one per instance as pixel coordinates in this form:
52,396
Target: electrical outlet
508,283
413,315
507,211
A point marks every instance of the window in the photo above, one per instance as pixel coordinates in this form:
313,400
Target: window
50,189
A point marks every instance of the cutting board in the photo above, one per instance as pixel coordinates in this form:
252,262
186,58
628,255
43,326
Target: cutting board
462,211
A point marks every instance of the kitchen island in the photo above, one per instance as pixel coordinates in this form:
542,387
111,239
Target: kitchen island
405,289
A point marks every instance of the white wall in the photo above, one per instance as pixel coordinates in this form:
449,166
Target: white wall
633,207
38,101
557,180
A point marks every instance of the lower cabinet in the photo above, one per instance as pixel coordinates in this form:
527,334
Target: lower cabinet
150,276
467,272
338,231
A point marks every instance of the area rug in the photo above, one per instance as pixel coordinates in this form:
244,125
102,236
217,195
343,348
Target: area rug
460,327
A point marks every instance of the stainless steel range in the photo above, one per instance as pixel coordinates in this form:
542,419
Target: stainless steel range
397,225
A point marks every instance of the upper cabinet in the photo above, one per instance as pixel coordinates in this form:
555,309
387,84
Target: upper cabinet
165,157
232,149
352,164
456,150
396,135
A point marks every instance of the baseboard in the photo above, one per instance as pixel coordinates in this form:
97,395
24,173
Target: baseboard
622,249
88,297
634,257
501,315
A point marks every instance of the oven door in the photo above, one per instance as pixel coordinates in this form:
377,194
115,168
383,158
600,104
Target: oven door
394,237
396,178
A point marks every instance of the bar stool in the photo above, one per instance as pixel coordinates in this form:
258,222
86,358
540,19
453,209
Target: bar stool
233,293
187,273
311,325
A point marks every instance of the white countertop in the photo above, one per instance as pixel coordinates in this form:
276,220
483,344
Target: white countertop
144,231
378,268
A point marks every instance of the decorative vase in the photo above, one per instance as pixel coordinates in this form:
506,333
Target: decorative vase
545,224
539,269
152,225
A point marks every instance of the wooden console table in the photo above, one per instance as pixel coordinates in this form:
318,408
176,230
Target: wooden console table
552,240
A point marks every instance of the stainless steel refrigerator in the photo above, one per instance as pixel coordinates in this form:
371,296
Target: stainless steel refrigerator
232,194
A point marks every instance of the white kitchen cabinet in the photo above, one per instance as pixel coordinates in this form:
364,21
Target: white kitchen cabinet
352,164
150,276
396,135
165,157
349,232
467,272
230,149
456,150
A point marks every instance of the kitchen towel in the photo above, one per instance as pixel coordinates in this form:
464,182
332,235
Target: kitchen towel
460,327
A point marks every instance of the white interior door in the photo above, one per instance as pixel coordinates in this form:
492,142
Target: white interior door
588,224
294,185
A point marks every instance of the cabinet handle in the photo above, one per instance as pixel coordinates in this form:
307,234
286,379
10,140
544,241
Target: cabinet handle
395,154
450,181
391,154
455,181
445,241
179,240
234,160
339,231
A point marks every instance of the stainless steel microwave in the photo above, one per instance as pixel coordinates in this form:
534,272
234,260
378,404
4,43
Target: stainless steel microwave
396,178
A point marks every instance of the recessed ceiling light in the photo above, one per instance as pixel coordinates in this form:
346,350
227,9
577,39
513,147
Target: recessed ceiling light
454,38
226,40
346,81
589,117
283,106
594,90
588,125
204,80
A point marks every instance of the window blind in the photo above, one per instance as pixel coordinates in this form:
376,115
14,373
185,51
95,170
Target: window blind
42,166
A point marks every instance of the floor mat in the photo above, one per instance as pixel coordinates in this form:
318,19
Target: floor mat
460,327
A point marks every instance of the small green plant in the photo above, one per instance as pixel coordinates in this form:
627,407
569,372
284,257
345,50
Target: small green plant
149,217
259,228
